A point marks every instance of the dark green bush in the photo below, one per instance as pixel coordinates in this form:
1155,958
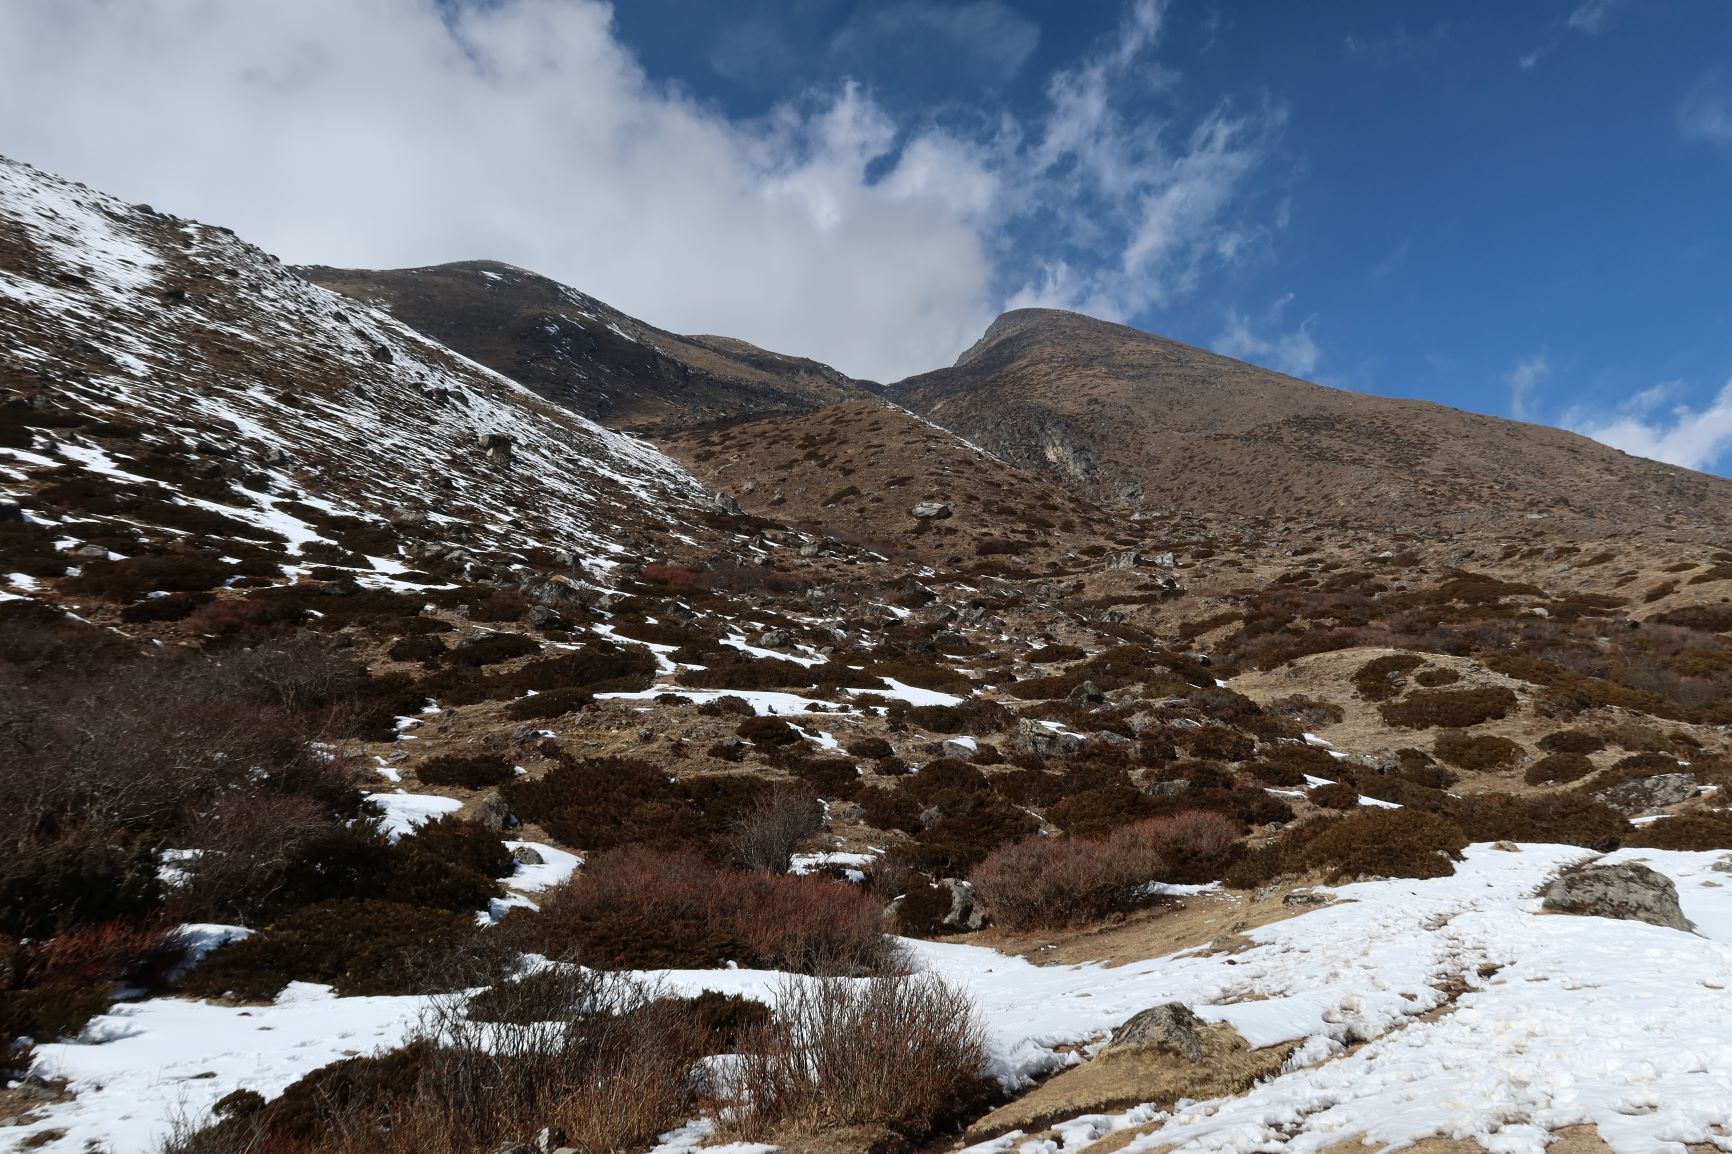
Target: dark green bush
1450,708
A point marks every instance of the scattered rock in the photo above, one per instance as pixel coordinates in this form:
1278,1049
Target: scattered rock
1034,737
1088,693
1628,891
1646,794
1127,559
1168,1027
930,511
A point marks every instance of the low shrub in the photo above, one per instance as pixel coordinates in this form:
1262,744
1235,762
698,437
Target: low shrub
358,947
172,607
1434,678
1572,741
767,731
869,747
1394,843
1375,680
1450,708
1559,817
636,908
1335,795
977,717
491,649
1478,753
1559,768
923,675
417,647
133,577
1687,831
727,705
903,1054
766,834
603,802
1055,881
470,771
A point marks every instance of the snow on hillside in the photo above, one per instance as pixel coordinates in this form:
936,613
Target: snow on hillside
126,315
1443,1007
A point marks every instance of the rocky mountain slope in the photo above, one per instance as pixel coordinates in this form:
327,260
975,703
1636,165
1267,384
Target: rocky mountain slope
351,692
1118,414
587,356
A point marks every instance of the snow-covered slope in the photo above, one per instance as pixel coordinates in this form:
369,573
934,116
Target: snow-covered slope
1450,1007
232,368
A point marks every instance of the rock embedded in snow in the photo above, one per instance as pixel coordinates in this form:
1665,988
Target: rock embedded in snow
1168,1027
1628,891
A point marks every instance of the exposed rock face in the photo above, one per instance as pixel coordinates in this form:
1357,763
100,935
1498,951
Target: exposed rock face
1629,891
1168,1027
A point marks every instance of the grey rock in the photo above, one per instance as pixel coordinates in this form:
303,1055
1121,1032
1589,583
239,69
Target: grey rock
545,617
957,749
493,813
966,911
1168,1027
930,511
1163,560
90,553
1034,737
1646,794
1628,891
1127,559
527,855
776,639
1088,693
1167,788
496,447
727,505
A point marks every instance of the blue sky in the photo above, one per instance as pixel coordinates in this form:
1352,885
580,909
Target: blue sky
1515,208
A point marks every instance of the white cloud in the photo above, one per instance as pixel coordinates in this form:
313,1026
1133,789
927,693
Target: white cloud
1681,435
1293,352
1524,382
1589,15
383,133
1706,110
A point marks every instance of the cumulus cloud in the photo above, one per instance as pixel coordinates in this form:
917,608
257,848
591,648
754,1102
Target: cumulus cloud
1524,382
383,133
1293,352
1706,110
1679,435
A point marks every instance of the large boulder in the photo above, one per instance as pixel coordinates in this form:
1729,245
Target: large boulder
1628,891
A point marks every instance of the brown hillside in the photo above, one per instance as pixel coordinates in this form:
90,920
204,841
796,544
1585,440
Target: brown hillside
573,349
1115,413
857,469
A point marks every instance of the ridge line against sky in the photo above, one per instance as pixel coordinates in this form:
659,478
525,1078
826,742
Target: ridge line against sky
1512,210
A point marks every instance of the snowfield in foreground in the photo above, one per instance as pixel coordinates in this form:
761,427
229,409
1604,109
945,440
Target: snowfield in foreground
1481,1017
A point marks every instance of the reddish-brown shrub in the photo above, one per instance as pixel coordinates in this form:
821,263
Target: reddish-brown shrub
1450,708
1375,680
1687,831
470,771
1336,795
1058,881
1558,767
1396,843
1468,751
635,908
